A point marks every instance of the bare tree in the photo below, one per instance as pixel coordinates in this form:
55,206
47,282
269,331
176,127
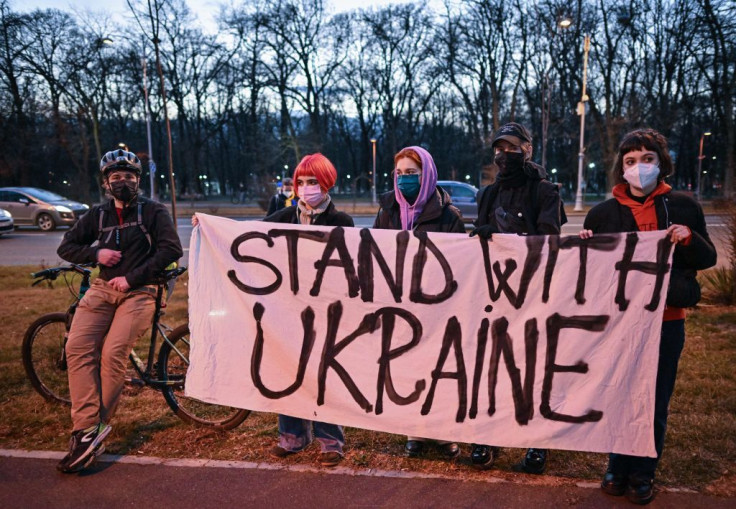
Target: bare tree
715,53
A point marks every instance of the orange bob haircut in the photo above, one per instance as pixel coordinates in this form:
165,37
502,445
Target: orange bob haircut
411,154
318,166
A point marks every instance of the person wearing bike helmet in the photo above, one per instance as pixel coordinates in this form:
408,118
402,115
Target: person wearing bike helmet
135,241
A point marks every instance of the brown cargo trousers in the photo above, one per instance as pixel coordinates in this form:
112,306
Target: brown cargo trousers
106,326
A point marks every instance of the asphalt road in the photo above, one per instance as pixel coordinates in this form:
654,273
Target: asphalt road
34,483
30,246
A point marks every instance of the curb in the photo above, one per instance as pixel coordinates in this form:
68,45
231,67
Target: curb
250,465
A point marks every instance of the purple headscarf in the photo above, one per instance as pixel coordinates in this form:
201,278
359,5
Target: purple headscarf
428,184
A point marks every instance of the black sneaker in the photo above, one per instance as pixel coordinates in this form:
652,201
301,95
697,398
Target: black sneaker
99,450
535,461
482,457
82,447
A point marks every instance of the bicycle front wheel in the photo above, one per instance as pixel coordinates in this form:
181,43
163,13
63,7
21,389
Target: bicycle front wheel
44,359
172,369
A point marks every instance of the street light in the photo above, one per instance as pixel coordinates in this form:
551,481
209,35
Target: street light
581,112
700,163
373,175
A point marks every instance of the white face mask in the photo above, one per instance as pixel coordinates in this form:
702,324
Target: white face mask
642,177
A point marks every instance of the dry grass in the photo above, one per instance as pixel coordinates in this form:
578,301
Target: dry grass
700,451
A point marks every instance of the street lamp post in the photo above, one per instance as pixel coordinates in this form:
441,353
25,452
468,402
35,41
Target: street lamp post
373,175
581,112
151,163
700,164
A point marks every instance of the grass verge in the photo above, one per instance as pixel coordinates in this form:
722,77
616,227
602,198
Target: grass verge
699,454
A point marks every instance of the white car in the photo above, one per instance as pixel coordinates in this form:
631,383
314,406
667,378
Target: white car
6,222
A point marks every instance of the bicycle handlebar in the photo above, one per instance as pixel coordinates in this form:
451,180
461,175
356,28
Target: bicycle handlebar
168,275
53,272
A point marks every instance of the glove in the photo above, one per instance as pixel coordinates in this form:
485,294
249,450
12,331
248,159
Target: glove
484,231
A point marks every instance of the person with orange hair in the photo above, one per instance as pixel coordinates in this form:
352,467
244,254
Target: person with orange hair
418,203
314,176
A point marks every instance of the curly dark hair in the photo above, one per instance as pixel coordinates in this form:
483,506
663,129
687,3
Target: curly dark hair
648,139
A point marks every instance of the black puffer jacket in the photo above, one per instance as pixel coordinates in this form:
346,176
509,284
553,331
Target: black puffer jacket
141,261
330,217
534,208
438,215
671,208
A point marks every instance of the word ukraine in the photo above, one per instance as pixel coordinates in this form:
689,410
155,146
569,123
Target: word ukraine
539,341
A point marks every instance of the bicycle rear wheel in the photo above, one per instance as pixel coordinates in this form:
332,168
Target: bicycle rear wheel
172,368
44,359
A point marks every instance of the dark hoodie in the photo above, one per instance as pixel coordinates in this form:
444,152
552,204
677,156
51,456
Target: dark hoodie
438,215
142,261
533,208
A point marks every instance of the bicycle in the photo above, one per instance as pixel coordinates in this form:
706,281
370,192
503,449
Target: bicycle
44,357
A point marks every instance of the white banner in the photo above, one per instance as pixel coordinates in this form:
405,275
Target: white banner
547,342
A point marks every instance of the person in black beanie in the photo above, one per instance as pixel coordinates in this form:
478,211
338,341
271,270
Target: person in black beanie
521,201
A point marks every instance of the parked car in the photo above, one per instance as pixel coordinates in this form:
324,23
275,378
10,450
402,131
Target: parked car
463,197
6,221
34,206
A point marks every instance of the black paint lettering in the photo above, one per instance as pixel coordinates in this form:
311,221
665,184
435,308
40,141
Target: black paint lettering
534,244
554,248
659,268
452,338
478,371
598,243
555,323
336,241
387,318
533,259
257,357
292,239
367,250
234,251
502,345
494,267
420,259
331,350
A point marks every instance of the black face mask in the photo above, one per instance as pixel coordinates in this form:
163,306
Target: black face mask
124,190
509,162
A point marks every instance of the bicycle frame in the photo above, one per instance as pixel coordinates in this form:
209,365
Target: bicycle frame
146,371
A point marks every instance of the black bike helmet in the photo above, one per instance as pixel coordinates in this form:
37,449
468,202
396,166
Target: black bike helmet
121,160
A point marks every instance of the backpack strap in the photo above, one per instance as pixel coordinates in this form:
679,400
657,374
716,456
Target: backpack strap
143,226
102,230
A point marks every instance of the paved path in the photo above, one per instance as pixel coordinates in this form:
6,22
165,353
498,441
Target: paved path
30,480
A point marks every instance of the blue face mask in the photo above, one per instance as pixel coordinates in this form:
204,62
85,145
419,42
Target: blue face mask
409,186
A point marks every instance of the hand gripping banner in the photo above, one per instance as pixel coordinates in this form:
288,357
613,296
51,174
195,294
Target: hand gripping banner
539,341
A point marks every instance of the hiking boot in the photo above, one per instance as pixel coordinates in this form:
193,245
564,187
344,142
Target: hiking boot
279,452
330,458
482,457
613,484
640,490
535,461
82,447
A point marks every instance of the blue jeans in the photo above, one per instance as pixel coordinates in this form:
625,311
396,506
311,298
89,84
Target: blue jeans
670,347
295,434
